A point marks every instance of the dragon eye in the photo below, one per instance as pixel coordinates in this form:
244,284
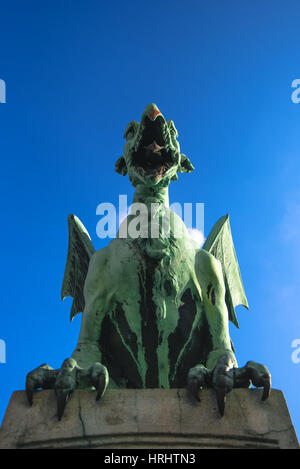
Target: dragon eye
172,129
130,130
130,133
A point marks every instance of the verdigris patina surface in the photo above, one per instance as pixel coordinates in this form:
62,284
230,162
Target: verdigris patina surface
156,308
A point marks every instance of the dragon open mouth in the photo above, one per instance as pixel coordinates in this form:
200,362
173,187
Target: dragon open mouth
153,157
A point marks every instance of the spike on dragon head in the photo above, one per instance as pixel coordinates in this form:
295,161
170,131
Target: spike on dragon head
152,153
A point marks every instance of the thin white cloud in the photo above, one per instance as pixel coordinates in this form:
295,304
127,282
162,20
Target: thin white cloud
197,236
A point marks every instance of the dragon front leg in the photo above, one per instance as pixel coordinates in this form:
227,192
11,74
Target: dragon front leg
218,370
221,371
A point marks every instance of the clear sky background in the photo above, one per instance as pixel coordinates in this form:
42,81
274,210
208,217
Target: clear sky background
76,73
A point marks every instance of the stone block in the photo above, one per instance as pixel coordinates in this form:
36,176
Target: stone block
148,418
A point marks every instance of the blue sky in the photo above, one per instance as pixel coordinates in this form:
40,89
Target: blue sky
76,73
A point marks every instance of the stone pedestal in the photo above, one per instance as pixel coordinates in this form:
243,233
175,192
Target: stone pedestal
148,418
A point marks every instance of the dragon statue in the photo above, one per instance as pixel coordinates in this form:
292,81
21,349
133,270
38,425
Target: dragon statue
156,309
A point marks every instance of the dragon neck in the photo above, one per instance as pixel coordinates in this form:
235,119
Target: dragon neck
148,195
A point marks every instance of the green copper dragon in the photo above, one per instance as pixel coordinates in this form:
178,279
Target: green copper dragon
156,309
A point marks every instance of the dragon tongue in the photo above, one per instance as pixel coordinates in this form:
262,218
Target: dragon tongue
153,147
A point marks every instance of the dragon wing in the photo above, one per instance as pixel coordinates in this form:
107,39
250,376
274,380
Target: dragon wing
80,251
220,244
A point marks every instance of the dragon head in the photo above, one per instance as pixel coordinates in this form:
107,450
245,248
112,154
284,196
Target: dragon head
151,153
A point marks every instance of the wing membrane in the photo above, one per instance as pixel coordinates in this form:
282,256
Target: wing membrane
220,244
80,251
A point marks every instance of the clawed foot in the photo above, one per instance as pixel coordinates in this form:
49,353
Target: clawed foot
256,374
66,380
220,378
224,376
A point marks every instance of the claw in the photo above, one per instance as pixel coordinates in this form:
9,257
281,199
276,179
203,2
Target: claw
41,377
223,380
65,384
101,387
99,379
221,399
266,391
260,377
62,396
198,377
